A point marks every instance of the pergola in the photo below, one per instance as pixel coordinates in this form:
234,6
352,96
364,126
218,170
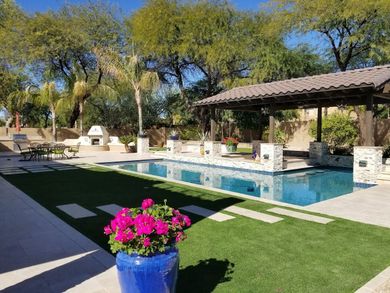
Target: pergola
368,86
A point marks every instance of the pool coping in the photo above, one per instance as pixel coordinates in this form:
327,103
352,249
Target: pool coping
269,201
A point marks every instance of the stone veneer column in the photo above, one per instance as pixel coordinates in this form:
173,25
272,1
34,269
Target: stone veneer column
212,149
174,146
272,156
367,164
318,153
142,145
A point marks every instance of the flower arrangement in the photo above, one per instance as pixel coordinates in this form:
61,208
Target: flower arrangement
147,230
230,141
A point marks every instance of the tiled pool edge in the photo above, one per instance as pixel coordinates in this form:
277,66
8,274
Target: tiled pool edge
236,194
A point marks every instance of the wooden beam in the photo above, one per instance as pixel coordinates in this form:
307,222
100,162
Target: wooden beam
319,124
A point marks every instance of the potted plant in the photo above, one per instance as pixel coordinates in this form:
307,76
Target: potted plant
174,135
231,144
129,141
145,240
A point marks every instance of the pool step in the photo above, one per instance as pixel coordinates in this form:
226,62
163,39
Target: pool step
296,163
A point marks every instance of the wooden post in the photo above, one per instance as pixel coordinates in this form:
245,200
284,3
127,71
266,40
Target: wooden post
260,125
271,124
369,141
319,124
213,124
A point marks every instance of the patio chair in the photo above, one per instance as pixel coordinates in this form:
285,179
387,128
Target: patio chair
59,151
74,150
25,152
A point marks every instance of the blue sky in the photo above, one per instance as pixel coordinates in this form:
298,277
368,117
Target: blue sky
125,5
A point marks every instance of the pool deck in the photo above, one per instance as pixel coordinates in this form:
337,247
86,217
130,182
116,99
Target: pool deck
369,206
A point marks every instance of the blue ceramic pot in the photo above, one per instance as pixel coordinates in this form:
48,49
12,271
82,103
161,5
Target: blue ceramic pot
148,274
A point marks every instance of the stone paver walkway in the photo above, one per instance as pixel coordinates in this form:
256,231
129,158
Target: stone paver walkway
301,216
76,211
370,206
111,209
253,214
212,215
41,253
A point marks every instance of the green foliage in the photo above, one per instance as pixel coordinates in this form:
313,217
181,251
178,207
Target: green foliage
190,132
127,139
338,130
354,30
386,151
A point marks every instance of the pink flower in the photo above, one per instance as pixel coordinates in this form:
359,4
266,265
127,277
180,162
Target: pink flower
147,203
176,221
114,224
124,222
107,230
124,236
162,227
147,242
144,224
176,212
187,220
123,212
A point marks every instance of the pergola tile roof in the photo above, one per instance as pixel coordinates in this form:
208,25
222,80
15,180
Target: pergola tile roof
373,77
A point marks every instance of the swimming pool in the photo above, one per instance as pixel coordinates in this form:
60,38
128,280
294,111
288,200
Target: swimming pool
303,187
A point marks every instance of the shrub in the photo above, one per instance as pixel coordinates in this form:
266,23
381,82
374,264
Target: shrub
126,139
146,230
338,130
386,151
190,133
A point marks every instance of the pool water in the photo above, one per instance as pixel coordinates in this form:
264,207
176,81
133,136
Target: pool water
303,187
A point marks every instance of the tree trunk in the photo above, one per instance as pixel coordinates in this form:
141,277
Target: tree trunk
139,106
81,107
74,115
53,124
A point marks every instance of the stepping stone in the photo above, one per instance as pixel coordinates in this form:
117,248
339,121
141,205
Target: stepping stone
212,215
302,216
253,214
41,170
14,172
76,211
111,209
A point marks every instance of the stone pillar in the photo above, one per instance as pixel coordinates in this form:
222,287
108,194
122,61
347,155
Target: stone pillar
142,145
272,156
367,164
318,153
212,149
256,146
174,146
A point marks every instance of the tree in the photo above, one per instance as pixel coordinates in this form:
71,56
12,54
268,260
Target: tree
131,72
357,32
338,130
49,96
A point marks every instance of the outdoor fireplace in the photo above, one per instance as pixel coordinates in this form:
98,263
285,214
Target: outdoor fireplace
98,135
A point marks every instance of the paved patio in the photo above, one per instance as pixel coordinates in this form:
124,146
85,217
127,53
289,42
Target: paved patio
370,206
41,253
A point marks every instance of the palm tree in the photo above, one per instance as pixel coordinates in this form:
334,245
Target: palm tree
131,72
49,96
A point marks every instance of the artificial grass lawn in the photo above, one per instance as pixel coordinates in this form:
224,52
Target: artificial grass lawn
239,255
